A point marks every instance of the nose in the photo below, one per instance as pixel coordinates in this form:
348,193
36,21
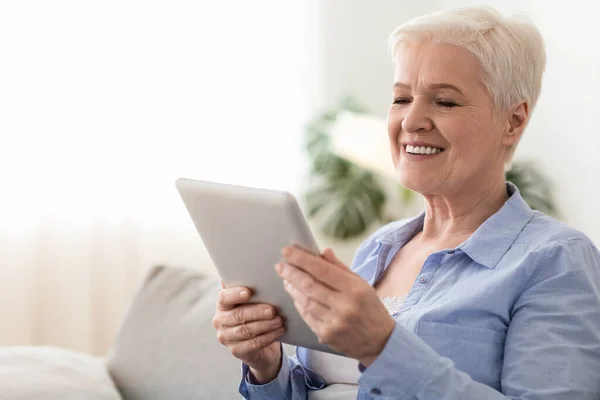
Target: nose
417,118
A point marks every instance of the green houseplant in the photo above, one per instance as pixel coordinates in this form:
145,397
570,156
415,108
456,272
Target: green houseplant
346,199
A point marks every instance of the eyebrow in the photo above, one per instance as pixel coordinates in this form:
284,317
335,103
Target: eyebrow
432,86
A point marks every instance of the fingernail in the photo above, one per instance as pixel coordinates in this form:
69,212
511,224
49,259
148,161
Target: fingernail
268,312
286,251
244,294
279,267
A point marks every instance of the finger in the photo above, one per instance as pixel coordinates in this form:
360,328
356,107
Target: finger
222,285
247,313
231,297
247,347
329,255
307,305
250,330
316,266
306,284
314,323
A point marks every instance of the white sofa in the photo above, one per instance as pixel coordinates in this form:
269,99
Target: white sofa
166,348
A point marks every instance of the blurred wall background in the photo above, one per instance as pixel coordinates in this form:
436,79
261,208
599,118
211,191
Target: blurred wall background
103,106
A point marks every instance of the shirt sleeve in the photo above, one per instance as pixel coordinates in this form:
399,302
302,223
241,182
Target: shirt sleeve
292,382
552,347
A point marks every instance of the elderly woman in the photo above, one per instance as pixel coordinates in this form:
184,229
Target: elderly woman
486,299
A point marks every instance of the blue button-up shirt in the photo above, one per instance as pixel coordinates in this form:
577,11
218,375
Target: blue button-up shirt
512,312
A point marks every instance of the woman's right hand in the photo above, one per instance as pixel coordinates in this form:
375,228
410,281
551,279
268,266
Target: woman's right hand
250,332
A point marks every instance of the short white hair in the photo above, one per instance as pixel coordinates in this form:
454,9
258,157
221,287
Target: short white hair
510,51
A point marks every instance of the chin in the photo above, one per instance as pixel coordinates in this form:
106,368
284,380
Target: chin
422,183
409,181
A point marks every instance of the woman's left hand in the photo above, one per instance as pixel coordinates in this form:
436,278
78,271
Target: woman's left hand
341,308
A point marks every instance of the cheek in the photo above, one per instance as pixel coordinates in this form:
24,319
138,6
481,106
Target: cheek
466,133
394,125
476,144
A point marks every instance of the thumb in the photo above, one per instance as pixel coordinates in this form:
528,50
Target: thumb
329,255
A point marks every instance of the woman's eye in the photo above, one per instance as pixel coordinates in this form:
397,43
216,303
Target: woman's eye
401,100
446,103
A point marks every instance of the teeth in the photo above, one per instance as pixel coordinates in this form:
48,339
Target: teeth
422,150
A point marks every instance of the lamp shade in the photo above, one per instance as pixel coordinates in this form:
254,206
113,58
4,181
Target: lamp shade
363,140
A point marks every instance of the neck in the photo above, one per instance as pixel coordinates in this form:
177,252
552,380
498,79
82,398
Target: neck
453,218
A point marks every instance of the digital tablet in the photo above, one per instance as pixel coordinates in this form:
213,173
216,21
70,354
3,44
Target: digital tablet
244,230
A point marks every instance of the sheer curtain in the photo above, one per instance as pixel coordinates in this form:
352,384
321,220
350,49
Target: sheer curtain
102,106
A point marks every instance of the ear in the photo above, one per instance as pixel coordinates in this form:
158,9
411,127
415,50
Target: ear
516,124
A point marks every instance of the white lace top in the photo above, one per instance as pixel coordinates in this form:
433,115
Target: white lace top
341,373
393,303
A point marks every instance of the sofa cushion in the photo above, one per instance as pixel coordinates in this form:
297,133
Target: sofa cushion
166,347
48,373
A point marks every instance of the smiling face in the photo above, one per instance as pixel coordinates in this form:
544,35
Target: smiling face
444,133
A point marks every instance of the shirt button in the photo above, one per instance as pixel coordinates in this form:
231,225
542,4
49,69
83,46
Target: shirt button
375,391
423,280
394,313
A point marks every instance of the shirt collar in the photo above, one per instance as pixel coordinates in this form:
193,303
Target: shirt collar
488,244
408,228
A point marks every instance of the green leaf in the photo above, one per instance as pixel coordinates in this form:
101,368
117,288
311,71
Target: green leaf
350,203
348,103
534,187
345,197
316,198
